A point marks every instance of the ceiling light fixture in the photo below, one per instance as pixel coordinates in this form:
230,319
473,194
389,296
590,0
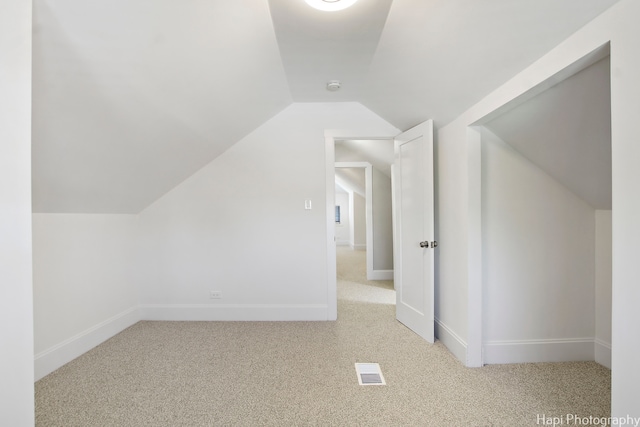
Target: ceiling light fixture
330,5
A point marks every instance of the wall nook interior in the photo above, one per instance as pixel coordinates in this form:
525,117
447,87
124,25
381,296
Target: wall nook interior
543,181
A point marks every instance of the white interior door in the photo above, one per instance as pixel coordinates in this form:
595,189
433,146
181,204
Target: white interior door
414,241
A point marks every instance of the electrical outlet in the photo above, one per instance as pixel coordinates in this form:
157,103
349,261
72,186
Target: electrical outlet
215,294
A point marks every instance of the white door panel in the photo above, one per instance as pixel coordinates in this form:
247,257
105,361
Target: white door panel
414,224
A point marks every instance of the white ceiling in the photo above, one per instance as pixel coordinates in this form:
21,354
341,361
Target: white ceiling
320,46
130,97
566,131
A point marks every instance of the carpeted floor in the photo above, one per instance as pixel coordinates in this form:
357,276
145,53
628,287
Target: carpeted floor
302,373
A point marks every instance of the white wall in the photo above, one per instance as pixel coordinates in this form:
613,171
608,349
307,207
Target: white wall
538,262
16,307
382,222
84,283
343,229
603,288
451,288
358,218
239,226
618,25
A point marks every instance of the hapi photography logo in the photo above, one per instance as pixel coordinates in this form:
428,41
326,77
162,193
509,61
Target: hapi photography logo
577,420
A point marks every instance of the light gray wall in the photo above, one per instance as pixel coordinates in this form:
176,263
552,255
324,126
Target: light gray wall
84,283
358,219
382,222
16,304
538,262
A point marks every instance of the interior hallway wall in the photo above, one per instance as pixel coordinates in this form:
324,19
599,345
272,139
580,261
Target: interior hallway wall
382,222
16,296
358,219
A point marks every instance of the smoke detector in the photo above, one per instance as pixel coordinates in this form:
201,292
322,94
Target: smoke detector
333,85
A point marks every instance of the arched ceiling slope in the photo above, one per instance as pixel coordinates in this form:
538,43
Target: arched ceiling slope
130,97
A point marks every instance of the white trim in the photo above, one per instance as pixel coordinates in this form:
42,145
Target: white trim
602,352
330,188
60,354
380,275
235,312
475,294
537,351
358,247
456,345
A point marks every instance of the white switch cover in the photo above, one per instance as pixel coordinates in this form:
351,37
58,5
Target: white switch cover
307,204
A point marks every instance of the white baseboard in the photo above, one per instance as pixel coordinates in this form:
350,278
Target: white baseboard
343,243
456,345
51,359
380,275
602,351
234,312
537,351
358,247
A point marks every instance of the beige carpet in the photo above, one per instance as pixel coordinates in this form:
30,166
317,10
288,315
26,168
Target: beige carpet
302,373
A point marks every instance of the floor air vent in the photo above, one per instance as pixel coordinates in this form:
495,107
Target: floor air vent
369,374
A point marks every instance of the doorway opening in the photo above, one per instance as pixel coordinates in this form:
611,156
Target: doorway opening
331,137
364,231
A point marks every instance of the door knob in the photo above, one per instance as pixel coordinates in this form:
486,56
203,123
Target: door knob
428,244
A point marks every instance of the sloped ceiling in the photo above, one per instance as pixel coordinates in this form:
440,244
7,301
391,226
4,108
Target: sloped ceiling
130,97
377,152
566,131
437,58
352,179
